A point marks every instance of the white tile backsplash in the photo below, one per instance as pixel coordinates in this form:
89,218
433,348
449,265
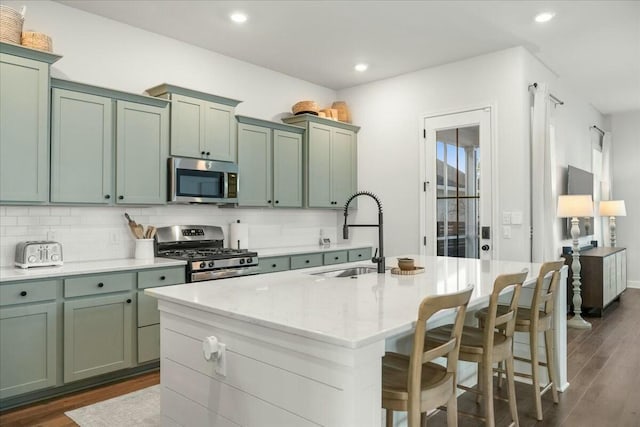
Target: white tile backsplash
96,233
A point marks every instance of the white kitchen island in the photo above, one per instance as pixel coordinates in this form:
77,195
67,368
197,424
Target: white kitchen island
303,349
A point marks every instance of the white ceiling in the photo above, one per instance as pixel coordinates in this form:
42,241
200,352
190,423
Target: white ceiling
592,45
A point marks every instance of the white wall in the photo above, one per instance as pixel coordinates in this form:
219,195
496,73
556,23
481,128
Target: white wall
625,129
106,53
390,113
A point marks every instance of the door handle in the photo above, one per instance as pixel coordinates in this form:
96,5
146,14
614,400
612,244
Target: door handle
485,247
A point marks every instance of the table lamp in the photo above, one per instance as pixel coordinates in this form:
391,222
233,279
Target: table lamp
612,209
575,206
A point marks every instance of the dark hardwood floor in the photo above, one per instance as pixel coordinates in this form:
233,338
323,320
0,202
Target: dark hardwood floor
603,371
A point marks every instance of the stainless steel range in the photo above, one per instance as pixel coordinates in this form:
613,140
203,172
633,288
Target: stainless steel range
202,247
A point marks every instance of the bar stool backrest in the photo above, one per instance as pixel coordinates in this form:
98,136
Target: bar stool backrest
505,321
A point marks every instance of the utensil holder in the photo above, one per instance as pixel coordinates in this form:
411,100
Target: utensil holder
144,249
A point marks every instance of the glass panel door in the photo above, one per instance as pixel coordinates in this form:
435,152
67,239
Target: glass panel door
457,194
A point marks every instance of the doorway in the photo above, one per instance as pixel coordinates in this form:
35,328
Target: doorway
457,187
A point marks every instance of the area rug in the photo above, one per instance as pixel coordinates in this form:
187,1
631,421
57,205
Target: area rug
140,408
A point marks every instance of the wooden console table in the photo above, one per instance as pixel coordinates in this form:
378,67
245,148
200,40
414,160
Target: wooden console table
603,277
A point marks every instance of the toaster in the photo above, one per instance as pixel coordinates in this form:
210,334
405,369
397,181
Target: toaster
38,253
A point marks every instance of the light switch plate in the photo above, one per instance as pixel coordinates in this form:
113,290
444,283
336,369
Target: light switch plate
506,218
506,232
516,217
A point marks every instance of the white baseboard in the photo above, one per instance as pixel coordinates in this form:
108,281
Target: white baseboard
635,284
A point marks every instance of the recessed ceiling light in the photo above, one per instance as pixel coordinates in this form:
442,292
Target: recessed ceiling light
544,16
238,17
361,67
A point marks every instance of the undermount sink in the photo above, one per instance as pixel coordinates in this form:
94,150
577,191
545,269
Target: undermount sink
347,272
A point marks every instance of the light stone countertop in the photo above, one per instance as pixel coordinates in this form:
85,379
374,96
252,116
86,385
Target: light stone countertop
296,250
349,312
10,274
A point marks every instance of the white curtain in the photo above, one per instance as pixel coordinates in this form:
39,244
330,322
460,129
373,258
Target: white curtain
545,237
606,191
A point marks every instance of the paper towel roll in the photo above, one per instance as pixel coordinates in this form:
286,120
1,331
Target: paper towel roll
239,235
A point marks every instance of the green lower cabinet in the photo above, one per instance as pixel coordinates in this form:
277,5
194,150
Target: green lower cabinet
28,337
148,343
359,254
337,257
98,335
306,261
274,264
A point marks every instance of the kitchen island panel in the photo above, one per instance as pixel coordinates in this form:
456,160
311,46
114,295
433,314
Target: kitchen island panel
319,382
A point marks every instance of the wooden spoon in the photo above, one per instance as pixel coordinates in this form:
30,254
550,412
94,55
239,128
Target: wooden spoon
136,229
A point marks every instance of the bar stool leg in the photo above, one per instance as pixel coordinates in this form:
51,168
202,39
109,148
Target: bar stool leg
452,411
512,391
480,388
389,418
551,363
487,393
533,346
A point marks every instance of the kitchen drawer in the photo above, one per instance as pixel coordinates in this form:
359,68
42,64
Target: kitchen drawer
28,291
148,313
148,343
161,277
335,257
273,264
99,284
359,254
304,261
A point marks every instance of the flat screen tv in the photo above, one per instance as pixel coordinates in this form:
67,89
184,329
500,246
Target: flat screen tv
579,182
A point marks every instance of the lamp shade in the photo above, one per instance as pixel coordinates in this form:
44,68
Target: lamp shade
612,208
570,206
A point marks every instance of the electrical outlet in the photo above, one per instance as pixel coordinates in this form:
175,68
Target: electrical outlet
506,231
51,235
113,237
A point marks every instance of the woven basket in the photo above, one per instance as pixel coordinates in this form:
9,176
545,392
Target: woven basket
10,24
344,115
305,107
37,40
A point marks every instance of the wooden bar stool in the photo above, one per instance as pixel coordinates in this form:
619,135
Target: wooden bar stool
414,383
486,346
534,320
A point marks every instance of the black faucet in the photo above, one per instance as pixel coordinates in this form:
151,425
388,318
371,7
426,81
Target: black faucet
345,228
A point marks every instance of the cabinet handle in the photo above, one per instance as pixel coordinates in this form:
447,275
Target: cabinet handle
273,265
100,285
23,293
129,301
202,153
277,201
359,255
162,277
120,197
306,261
336,258
268,201
208,153
107,196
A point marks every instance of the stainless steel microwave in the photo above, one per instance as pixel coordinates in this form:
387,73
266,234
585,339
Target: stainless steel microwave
202,181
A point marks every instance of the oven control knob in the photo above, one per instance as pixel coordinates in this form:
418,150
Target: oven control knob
241,260
203,264
210,263
249,260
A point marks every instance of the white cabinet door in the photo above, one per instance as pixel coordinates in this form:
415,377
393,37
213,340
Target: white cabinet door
621,271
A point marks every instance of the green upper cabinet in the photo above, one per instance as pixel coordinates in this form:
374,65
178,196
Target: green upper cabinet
203,126
254,165
330,160
24,124
107,146
81,147
287,168
269,163
141,150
